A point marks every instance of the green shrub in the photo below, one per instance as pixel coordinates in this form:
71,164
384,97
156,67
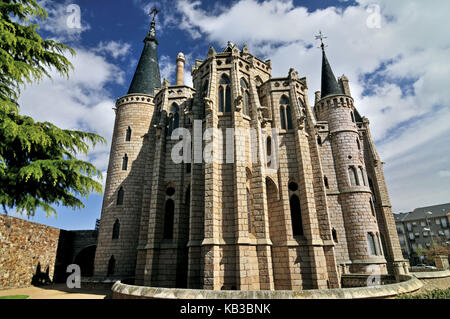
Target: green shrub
433,294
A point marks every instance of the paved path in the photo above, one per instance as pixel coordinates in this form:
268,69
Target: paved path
59,291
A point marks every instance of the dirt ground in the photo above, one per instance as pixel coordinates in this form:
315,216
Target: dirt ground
59,291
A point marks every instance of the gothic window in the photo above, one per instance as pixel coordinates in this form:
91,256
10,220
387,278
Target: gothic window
334,233
282,118
352,175
246,96
169,219
296,216
285,113
358,143
120,195
224,94
325,180
372,190
205,88
128,135
362,181
111,266
372,207
352,116
269,151
319,140
125,163
174,119
116,229
371,240
379,250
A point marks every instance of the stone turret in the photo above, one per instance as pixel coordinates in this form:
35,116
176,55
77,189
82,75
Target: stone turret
122,203
360,222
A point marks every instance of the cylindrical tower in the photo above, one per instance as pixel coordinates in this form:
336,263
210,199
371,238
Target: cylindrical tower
118,235
180,68
360,223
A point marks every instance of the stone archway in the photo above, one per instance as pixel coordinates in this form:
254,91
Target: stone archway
85,259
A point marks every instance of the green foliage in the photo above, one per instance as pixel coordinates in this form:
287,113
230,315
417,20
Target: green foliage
15,297
433,294
38,164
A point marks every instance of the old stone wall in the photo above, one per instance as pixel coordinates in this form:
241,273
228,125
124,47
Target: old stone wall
27,250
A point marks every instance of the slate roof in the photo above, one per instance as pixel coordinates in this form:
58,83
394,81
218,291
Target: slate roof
147,76
329,83
421,213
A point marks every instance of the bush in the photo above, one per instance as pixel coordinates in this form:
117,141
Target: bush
433,294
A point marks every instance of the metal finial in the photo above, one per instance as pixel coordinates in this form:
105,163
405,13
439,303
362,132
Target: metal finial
321,37
154,12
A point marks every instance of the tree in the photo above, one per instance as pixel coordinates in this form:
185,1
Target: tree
38,163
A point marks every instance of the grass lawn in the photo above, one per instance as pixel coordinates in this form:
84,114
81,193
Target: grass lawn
15,297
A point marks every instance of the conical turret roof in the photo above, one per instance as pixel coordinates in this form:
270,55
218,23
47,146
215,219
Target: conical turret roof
329,83
147,76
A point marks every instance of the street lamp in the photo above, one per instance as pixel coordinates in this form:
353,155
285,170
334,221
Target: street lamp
429,229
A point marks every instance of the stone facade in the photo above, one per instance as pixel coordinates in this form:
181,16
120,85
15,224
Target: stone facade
293,219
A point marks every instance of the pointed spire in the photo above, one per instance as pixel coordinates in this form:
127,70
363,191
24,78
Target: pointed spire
147,76
329,83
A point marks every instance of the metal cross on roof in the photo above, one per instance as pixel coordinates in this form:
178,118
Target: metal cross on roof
321,37
154,12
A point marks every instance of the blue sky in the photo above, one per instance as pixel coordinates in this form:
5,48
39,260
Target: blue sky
395,54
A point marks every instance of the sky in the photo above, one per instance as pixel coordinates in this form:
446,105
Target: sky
395,53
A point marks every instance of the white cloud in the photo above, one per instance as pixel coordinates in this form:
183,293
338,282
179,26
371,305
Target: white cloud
167,68
399,72
444,173
57,22
115,49
82,102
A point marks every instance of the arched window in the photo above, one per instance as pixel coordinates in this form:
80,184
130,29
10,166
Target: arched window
371,240
116,229
282,117
111,266
352,175
128,135
169,219
125,163
362,180
205,88
246,96
296,216
378,246
372,190
319,140
285,113
352,116
269,151
358,143
224,94
372,207
325,181
334,234
120,195
174,119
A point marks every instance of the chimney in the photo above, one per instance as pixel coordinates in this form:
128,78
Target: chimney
180,68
